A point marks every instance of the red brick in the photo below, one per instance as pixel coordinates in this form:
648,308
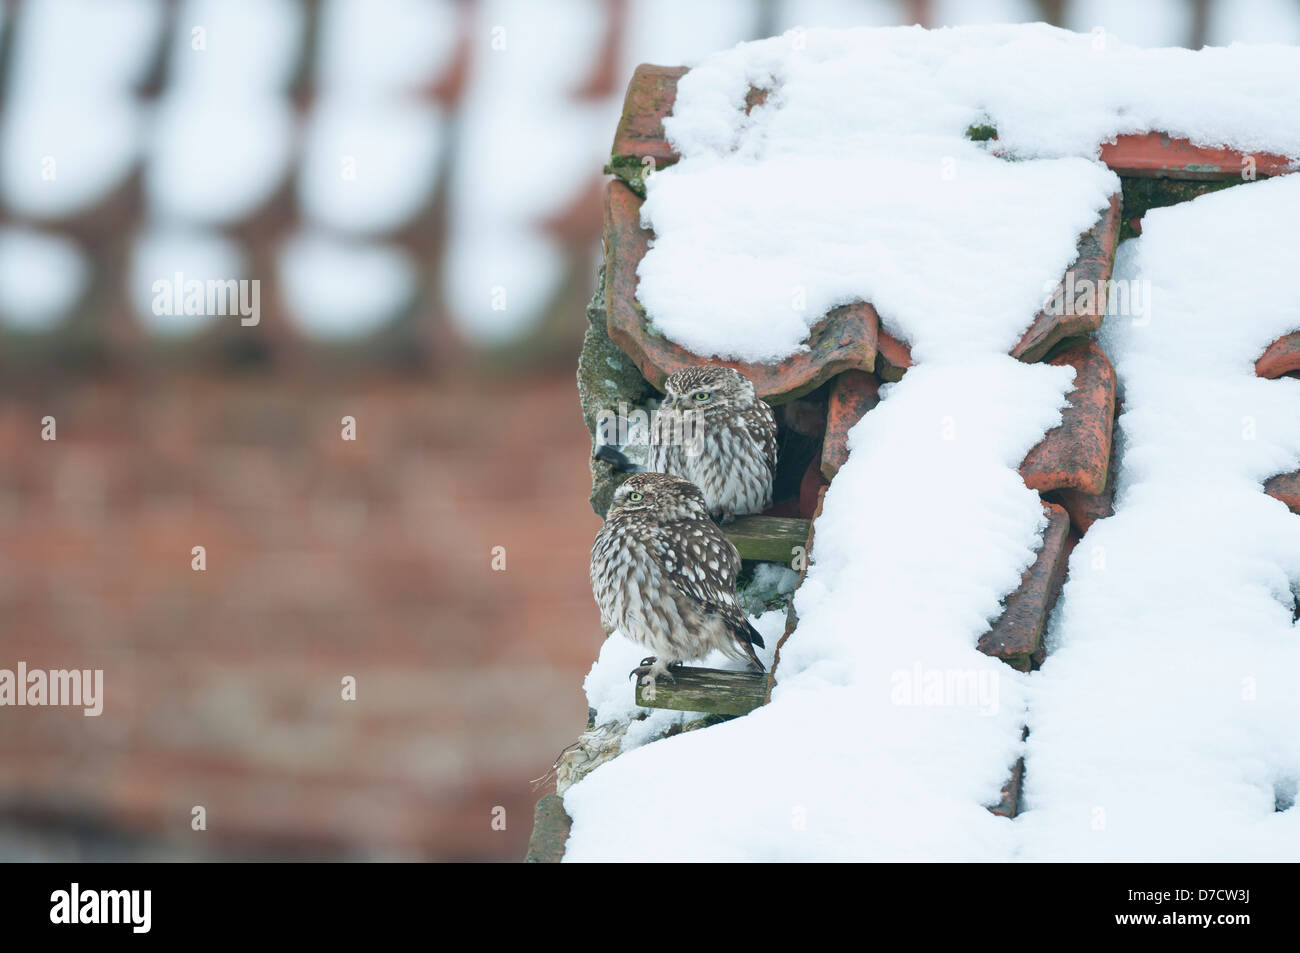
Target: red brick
324,558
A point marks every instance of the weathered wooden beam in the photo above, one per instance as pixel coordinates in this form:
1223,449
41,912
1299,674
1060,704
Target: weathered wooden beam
769,539
712,690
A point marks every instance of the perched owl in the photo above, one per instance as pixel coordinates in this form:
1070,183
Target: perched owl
714,431
665,576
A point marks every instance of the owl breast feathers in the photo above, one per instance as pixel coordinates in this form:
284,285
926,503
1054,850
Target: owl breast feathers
665,575
713,430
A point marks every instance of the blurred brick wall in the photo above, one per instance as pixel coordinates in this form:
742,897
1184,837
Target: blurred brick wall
325,558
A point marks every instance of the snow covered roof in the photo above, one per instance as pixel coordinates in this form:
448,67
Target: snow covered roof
931,189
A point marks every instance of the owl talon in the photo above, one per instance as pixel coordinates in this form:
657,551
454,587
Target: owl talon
645,668
650,669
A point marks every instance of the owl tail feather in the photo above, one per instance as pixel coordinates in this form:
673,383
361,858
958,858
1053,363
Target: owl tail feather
749,638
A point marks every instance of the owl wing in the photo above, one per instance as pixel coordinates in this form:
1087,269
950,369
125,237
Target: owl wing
760,422
699,560
702,564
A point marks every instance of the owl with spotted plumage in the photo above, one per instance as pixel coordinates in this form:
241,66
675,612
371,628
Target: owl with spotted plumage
713,430
665,576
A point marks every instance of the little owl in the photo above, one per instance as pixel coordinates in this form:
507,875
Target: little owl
665,576
713,430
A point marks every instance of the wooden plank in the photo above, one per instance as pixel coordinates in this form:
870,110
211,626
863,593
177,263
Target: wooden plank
769,539
711,690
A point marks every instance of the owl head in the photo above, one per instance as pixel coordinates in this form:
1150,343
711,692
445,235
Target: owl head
708,389
658,496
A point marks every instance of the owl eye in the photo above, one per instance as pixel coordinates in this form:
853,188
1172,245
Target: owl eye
636,497
701,395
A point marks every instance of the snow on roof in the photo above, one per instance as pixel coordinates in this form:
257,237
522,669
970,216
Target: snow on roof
1162,726
1163,723
854,181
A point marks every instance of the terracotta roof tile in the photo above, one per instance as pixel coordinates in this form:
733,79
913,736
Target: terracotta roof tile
1157,155
1280,357
853,394
1285,487
1017,637
650,97
1076,454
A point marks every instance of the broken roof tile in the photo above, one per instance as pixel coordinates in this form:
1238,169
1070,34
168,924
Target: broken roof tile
1076,454
845,338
